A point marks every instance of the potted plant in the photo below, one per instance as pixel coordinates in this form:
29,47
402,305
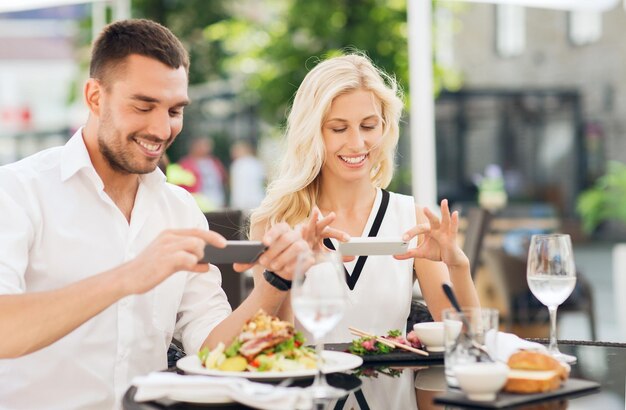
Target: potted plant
604,202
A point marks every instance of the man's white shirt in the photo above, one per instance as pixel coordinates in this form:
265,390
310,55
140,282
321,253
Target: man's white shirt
58,226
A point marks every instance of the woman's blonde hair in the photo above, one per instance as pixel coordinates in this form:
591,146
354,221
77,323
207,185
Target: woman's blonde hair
293,193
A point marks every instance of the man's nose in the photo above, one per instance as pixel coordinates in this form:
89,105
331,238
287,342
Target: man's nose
160,125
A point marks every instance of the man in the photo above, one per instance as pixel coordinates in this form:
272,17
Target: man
98,255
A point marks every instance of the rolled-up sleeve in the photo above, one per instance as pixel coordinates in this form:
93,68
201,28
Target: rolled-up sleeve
16,234
203,305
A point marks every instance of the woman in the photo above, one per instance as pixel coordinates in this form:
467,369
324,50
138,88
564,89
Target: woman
341,136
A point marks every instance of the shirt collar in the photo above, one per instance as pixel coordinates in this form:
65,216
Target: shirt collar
76,157
153,179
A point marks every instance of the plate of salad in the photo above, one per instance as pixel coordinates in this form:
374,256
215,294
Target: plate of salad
267,349
373,351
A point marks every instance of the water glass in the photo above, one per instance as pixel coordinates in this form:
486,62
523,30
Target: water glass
318,299
551,276
481,322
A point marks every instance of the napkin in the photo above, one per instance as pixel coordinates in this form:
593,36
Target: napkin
158,385
501,345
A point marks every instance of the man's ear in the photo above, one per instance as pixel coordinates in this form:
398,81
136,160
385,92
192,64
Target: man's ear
93,93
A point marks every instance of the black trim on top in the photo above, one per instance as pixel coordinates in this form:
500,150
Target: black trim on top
378,220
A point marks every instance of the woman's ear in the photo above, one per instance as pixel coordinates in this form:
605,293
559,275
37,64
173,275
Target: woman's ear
92,94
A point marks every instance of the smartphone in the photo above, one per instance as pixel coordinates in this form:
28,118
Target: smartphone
373,246
234,252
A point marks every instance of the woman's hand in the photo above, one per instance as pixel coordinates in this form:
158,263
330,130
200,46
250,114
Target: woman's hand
315,230
440,238
284,246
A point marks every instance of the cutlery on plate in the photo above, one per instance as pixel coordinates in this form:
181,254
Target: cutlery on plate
388,342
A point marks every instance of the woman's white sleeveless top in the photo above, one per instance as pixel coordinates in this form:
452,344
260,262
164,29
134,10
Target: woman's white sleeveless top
379,287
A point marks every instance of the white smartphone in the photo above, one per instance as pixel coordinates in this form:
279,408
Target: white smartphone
373,246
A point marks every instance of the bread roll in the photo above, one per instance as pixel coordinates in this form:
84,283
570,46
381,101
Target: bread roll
534,372
529,360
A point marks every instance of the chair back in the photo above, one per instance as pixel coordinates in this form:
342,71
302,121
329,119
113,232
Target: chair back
230,224
508,276
477,226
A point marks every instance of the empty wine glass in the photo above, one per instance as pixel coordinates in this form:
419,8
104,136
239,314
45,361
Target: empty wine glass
318,298
551,276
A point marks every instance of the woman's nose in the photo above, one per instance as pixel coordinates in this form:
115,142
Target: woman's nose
355,138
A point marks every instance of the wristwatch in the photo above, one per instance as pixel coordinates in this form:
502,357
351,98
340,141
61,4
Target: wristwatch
276,281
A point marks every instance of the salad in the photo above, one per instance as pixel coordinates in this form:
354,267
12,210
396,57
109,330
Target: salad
369,345
265,344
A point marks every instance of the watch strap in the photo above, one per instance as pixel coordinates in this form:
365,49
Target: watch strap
276,281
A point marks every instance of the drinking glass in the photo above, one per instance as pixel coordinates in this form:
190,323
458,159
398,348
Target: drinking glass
551,277
318,298
476,324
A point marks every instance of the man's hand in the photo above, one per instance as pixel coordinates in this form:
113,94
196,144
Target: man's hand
172,251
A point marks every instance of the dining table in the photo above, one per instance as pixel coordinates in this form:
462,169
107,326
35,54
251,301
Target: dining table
417,384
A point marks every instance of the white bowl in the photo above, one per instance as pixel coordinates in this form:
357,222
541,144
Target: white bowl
431,335
481,381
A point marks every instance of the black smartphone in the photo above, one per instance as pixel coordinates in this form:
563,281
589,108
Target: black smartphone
234,252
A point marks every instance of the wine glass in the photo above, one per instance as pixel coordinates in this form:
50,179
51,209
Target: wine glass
318,299
551,276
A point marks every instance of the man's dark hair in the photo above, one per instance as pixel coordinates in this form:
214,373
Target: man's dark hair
137,36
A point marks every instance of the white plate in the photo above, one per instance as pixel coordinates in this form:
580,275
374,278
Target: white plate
333,362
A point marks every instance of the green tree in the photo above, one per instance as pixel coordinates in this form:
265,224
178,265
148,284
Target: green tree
187,19
274,54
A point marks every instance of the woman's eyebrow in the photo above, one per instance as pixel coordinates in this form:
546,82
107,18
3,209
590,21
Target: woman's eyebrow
369,117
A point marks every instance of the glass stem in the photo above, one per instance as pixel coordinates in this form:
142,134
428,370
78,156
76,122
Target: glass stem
553,346
319,380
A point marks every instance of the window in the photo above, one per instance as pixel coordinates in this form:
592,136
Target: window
584,27
444,31
510,30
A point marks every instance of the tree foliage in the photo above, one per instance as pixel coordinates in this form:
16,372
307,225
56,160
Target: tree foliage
604,201
188,19
274,55
270,45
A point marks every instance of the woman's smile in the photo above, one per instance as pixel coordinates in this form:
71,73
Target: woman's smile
353,161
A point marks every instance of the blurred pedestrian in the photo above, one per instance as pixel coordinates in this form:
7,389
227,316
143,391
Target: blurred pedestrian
247,177
209,172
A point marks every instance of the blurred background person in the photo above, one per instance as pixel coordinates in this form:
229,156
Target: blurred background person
247,177
210,174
